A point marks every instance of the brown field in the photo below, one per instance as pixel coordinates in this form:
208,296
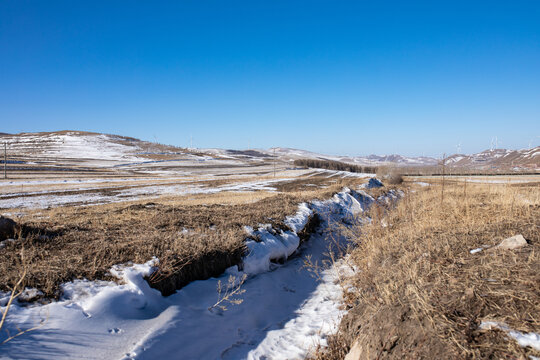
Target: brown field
196,235
420,294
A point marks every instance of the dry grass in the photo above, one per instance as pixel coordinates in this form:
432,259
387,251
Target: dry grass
203,231
420,293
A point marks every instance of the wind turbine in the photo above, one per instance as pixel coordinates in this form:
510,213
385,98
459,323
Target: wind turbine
458,147
494,140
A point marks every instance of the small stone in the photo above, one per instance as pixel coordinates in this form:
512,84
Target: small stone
514,242
355,353
7,228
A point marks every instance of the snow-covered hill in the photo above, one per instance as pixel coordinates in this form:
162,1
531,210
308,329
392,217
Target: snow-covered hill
80,145
499,159
101,149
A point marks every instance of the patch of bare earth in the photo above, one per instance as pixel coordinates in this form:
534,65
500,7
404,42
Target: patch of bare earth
419,293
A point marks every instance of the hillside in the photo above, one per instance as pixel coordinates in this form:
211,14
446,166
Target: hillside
499,159
78,148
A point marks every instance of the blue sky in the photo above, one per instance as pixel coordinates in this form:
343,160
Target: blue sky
339,77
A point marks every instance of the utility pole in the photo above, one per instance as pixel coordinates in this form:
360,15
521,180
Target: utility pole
5,160
275,162
443,175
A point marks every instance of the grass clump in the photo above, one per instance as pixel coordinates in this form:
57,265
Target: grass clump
419,292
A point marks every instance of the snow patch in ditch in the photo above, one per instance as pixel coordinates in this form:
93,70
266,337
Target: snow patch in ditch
271,245
284,313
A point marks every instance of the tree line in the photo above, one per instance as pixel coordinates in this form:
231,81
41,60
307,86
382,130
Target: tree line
334,165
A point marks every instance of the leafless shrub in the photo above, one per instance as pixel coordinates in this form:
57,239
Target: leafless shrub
229,293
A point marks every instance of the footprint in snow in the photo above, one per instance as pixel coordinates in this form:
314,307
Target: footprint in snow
115,331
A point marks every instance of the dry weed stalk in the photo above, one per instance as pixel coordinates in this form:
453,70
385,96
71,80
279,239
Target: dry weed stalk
15,292
228,294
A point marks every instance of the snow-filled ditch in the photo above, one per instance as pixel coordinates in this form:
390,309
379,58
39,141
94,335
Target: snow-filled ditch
284,312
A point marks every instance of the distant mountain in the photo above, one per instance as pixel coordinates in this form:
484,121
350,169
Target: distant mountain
110,149
373,160
499,159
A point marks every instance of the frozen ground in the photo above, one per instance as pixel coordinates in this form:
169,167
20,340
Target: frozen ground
109,194
285,311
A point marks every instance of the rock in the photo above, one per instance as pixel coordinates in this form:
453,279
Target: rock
355,353
374,183
7,228
514,242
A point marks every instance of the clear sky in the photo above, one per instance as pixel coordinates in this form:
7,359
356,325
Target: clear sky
339,77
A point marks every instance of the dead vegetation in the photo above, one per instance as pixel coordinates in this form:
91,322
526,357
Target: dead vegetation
194,237
390,174
419,293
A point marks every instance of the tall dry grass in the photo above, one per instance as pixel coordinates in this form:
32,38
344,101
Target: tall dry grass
420,293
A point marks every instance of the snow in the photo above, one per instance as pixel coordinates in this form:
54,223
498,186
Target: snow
269,247
477,250
373,183
319,314
523,339
57,198
285,309
297,222
74,146
71,181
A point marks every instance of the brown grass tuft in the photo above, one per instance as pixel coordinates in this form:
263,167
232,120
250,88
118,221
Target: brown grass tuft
420,293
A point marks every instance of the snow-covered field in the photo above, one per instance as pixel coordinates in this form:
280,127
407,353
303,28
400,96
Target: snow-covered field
285,311
144,189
